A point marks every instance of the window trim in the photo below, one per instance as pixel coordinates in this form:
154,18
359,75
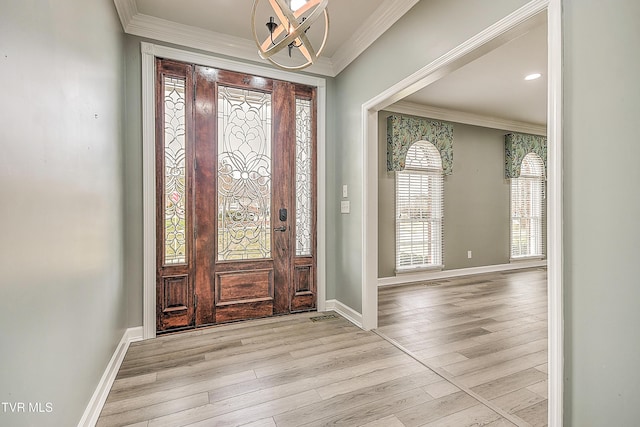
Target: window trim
529,178
430,165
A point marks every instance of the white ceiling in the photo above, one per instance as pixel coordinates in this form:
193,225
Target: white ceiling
494,86
491,86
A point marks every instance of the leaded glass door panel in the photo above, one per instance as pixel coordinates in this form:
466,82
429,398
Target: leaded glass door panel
246,212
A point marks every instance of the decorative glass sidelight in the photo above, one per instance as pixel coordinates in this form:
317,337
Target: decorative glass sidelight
174,171
244,174
304,162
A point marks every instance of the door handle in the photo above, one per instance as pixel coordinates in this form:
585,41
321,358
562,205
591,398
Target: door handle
283,228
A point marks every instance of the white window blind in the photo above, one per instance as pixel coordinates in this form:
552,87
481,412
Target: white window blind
527,209
420,209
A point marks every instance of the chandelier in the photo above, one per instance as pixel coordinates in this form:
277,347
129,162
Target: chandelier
287,42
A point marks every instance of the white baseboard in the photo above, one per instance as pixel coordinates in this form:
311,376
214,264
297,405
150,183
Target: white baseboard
92,412
434,275
345,311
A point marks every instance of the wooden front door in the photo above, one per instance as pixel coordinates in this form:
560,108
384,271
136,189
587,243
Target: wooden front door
236,177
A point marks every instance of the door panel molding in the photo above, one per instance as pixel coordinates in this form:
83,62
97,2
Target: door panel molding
233,286
233,303
176,297
303,287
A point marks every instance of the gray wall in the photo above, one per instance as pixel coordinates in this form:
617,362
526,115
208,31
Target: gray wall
601,212
427,31
476,201
62,300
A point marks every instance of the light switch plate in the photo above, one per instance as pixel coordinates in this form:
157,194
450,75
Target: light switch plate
345,207
345,191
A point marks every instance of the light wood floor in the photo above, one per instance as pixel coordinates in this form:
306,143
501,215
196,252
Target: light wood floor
482,342
486,334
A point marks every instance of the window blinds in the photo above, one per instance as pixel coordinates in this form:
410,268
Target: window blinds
527,209
419,214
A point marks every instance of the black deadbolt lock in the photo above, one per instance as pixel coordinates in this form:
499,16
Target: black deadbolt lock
283,214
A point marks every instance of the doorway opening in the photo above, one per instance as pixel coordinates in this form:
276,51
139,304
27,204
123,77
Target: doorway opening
472,49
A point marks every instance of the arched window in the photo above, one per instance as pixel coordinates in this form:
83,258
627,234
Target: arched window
419,208
527,209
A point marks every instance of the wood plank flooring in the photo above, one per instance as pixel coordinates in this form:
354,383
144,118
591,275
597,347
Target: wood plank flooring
486,334
483,341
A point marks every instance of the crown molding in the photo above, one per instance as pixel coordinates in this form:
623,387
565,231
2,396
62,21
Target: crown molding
138,24
373,27
127,9
210,41
413,109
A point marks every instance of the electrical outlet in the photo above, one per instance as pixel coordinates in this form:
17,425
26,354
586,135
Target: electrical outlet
469,255
345,207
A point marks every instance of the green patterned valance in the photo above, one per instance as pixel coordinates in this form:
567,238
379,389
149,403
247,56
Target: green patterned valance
518,145
402,131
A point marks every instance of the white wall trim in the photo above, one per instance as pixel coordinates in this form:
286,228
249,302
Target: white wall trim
420,110
460,272
92,412
380,21
139,24
485,41
127,9
148,193
555,216
149,53
345,311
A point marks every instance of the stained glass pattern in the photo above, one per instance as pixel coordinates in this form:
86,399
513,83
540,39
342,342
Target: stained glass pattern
244,174
175,178
304,159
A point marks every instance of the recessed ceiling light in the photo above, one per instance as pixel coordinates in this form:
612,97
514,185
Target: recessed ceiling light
533,76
